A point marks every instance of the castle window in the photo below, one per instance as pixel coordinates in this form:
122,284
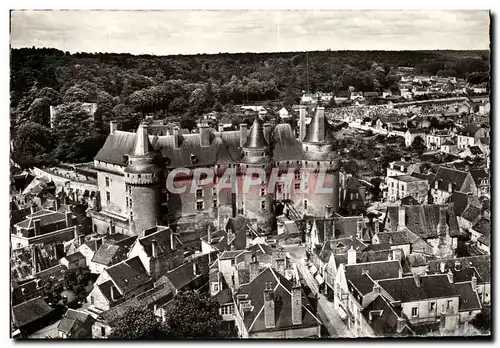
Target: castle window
108,196
305,204
199,205
297,186
103,331
126,202
317,163
130,202
263,205
297,176
432,306
262,191
414,311
138,176
131,216
107,182
215,204
199,193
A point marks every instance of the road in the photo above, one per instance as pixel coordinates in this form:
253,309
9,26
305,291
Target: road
326,311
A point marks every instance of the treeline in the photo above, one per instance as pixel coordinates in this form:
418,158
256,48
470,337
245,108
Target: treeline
126,87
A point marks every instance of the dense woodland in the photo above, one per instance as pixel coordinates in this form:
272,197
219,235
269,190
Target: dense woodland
126,87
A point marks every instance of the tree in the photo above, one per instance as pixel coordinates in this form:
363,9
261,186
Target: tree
32,145
482,321
137,323
194,315
351,167
418,145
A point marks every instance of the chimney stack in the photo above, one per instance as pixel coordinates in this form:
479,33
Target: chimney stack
450,276
280,266
401,324
351,256
254,268
296,303
269,315
204,136
209,235
266,127
76,234
328,212
376,288
69,219
243,134
359,229
195,268
376,224
474,282
397,254
34,260
175,138
457,266
33,208
37,223
442,267
98,243
154,249
416,277
302,122
172,240
450,187
112,289
81,239
113,125
401,217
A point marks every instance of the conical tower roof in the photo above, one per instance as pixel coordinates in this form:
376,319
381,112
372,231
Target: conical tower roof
318,132
256,139
142,145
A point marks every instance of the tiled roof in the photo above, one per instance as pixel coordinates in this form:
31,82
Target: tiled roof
347,243
471,213
128,275
481,263
29,311
394,238
254,318
423,220
73,318
162,239
431,287
483,226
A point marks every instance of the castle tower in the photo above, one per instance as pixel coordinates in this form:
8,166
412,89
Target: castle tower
320,165
142,182
256,202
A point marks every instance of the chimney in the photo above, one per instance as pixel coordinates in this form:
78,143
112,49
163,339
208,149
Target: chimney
376,224
328,211
33,208
359,229
351,256
442,267
76,234
243,134
396,254
98,243
450,276
175,138
154,249
376,288
474,282
254,268
112,289
416,277
457,266
401,217
221,128
172,240
69,219
280,266
296,304
204,136
34,260
81,239
195,268
450,187
302,122
269,318
436,184
267,131
209,236
113,125
37,226
401,324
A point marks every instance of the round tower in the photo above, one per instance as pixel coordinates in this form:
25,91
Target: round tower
255,199
142,182
320,165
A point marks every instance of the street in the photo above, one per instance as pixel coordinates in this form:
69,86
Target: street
325,311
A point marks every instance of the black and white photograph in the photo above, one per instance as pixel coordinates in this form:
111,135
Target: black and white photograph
250,174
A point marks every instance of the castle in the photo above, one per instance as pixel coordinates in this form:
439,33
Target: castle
133,171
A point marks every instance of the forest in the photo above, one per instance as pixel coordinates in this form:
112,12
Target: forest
127,87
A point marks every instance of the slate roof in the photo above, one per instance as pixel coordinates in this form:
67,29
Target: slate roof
408,178
162,238
366,256
182,275
110,254
105,289
46,217
481,263
254,319
238,225
73,317
319,130
29,311
470,130
224,297
128,275
478,175
460,202
417,130
394,238
482,226
384,321
423,220
449,175
475,150
347,243
255,139
376,270
471,213
74,257
468,300
431,287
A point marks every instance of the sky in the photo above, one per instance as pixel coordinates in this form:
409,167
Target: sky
191,32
